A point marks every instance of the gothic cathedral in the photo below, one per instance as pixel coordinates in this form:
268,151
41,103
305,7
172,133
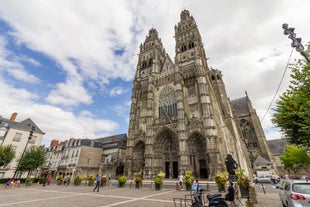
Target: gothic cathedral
181,117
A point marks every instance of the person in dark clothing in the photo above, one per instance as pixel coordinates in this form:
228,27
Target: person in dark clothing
98,181
230,193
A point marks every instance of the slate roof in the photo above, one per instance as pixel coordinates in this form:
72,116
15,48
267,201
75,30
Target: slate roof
23,125
115,141
261,161
276,146
118,137
241,106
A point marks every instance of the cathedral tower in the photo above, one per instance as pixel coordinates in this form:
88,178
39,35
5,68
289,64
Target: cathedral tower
181,118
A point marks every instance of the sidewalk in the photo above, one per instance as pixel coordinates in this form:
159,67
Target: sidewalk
267,200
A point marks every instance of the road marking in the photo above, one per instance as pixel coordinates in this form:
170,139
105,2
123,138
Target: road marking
72,194
145,198
43,199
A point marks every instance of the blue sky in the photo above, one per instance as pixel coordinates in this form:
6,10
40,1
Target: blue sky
69,65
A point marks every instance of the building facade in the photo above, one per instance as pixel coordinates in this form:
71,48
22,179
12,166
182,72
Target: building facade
21,135
277,147
251,130
86,157
181,117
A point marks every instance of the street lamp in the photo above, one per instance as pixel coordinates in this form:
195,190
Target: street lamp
296,42
29,138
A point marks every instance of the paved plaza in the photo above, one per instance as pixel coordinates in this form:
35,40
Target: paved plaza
66,196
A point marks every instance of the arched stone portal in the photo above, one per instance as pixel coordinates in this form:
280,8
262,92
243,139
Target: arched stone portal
166,151
138,157
198,155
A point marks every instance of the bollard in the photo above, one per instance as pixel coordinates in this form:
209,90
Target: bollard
110,184
208,187
253,195
249,203
177,187
152,185
130,184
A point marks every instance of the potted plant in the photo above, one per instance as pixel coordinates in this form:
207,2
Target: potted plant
28,181
122,180
159,180
69,180
78,180
221,179
59,179
104,180
244,183
91,180
188,179
138,179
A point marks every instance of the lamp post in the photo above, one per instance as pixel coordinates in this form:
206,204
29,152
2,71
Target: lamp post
29,138
296,42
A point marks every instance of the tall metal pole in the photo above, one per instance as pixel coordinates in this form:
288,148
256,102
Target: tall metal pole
29,138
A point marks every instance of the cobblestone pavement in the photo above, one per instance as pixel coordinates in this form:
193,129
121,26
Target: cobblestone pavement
67,196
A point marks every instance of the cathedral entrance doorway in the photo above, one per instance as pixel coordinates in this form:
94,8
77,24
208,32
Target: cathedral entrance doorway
166,148
198,155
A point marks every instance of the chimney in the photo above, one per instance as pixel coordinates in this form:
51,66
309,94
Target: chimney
13,116
54,142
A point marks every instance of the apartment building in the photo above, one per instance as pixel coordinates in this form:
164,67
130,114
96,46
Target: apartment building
85,157
21,135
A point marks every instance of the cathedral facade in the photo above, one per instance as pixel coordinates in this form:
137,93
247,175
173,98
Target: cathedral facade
181,117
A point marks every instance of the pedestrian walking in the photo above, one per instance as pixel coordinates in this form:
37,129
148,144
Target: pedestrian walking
98,181
180,181
66,180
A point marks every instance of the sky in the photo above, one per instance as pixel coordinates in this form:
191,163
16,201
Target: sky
69,64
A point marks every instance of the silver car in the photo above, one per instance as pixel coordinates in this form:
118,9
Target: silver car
295,193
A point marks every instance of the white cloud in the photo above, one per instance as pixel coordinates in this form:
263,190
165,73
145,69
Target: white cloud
70,93
10,64
117,91
21,74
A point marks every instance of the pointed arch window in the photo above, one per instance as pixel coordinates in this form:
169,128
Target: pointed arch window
248,133
191,45
150,62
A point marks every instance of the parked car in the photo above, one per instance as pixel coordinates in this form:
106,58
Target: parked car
294,193
263,179
280,184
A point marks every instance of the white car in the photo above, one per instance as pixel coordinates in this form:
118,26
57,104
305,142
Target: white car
264,179
295,193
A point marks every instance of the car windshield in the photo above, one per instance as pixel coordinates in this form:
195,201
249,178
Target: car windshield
302,188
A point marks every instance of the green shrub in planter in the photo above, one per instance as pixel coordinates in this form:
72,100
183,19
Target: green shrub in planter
59,179
159,180
122,180
91,180
78,180
188,179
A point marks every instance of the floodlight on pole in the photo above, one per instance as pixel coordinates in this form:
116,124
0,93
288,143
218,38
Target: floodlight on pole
296,42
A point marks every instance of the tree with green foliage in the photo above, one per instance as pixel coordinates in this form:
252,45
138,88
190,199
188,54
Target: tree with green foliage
295,157
292,112
7,154
33,158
